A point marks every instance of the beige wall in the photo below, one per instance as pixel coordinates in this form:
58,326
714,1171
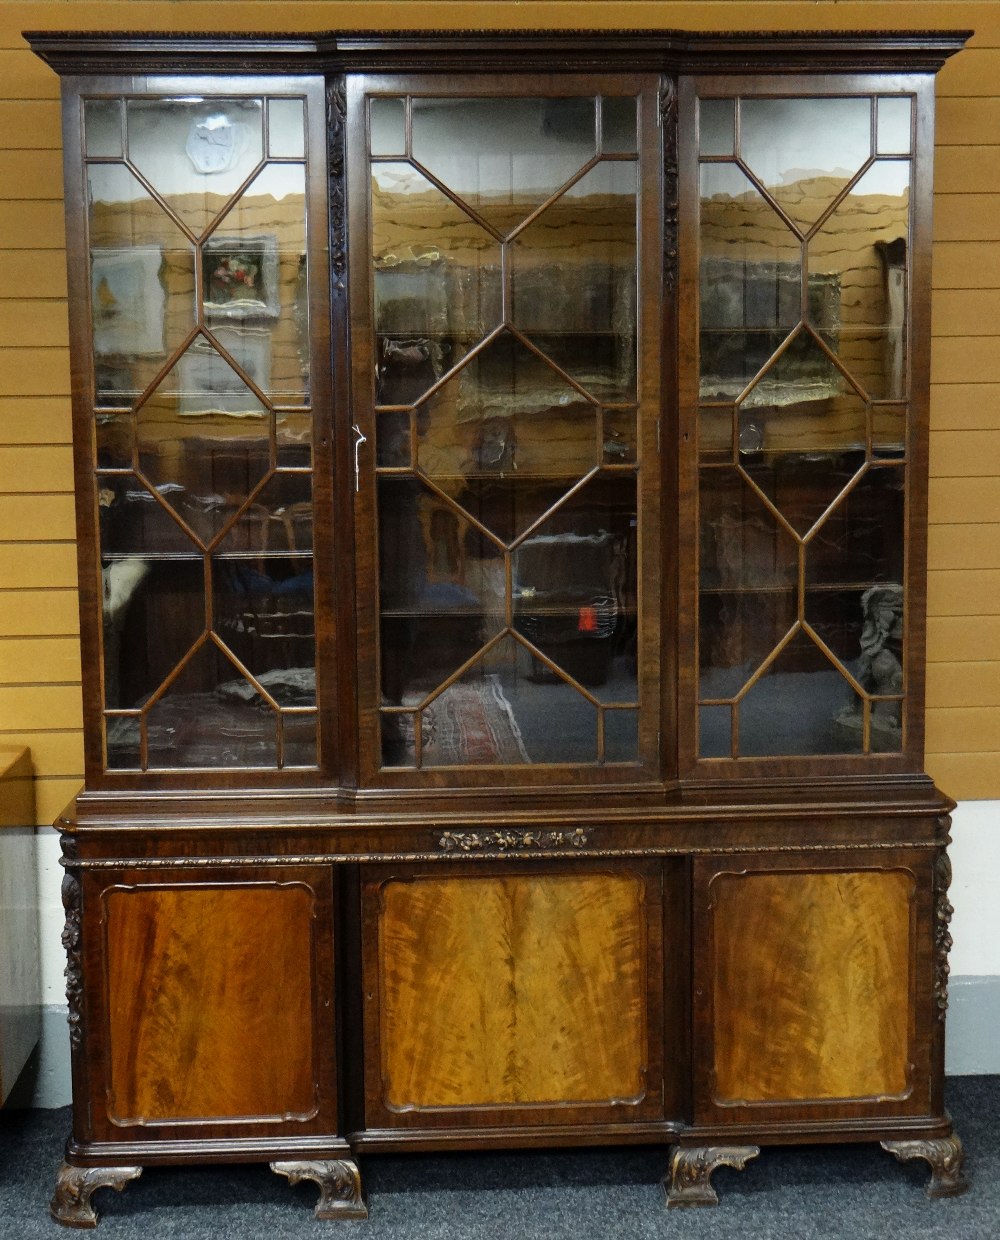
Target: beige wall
39,655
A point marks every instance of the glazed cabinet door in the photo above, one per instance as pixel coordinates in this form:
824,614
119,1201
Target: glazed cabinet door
198,276
505,327
519,995
208,1003
816,989
805,300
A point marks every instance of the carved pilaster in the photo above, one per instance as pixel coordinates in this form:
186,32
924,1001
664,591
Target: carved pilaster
336,116
689,1181
668,126
945,1156
943,911
72,942
339,1180
75,1186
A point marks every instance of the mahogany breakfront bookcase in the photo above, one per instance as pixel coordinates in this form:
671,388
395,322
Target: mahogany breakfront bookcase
502,474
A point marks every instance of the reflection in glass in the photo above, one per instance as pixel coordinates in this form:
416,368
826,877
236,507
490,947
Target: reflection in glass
504,156
893,128
195,155
286,137
805,151
137,518
715,731
392,441
717,126
115,441
797,705
862,539
619,446
750,283
889,431
862,247
618,128
621,735
102,125
387,118
741,543
574,279
737,632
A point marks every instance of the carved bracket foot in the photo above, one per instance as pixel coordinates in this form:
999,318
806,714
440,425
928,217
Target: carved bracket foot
75,1186
945,1155
339,1180
689,1181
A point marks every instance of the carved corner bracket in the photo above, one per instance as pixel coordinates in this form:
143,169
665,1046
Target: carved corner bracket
510,841
945,1156
75,1186
340,1192
689,1180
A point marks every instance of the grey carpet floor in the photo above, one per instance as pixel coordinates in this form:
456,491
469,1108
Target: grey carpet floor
806,1193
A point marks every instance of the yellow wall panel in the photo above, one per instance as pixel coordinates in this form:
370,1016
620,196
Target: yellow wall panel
965,121
967,217
53,795
33,273
963,592
26,612
40,564
32,467
956,639
964,684
54,752
35,419
964,546
33,323
966,264
965,729
965,406
34,372
30,173
954,359
965,454
39,706
953,501
24,76
966,776
972,169
33,124
47,516
38,225
967,312
39,660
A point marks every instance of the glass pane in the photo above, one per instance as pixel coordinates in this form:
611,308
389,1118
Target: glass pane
293,432
102,123
299,732
195,153
388,126
286,136
889,431
737,632
621,736
717,126
437,282
801,705
204,439
211,717
894,125
393,441
805,151
620,436
715,731
504,156
618,127
121,738
575,590
142,284
574,281
861,253
134,522
715,436
751,281
499,713
861,542
154,612
742,545
115,441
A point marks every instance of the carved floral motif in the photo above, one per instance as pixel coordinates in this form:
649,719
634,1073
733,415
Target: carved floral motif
336,114
72,942
945,1156
668,124
689,1180
943,911
70,1203
505,841
339,1180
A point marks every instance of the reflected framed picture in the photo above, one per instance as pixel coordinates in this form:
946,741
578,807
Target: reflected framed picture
240,277
129,302
208,384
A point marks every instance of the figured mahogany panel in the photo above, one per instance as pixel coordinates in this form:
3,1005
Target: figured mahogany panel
811,985
508,990
209,1001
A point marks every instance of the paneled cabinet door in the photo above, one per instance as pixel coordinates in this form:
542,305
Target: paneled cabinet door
209,1000
515,994
814,994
